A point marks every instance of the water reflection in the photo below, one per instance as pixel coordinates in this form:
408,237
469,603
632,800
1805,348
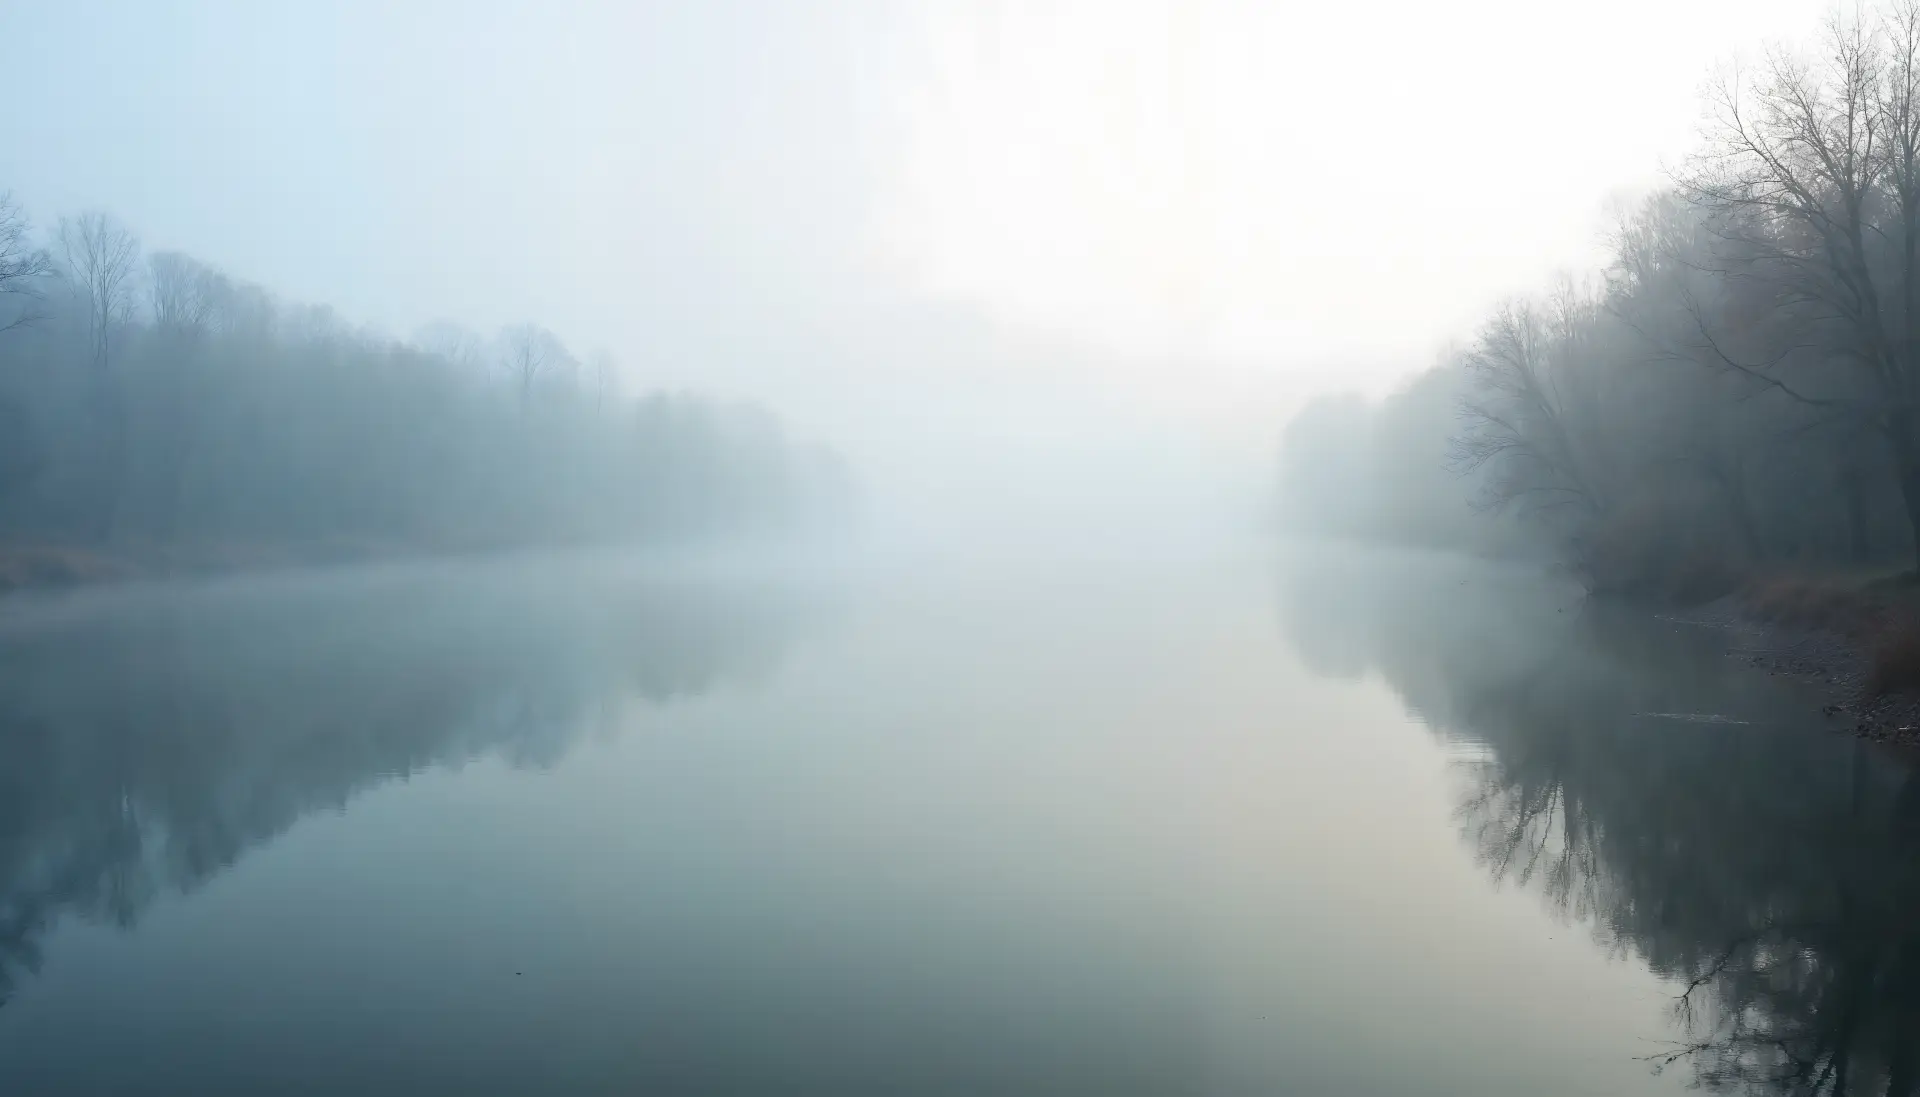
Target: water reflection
1769,870
151,739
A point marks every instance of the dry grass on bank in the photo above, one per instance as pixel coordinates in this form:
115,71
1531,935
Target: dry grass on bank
32,565
1895,655
1829,604
52,566
1878,616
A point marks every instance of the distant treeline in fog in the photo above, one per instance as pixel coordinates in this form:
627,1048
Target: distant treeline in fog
149,402
1739,387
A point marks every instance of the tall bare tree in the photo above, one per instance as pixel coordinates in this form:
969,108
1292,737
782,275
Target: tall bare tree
602,377
101,256
186,299
1518,421
530,353
458,344
23,267
183,294
1811,180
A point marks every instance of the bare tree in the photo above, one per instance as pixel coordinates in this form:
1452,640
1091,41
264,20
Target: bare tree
1517,421
23,267
23,273
187,299
530,353
462,346
100,256
603,376
1812,183
183,294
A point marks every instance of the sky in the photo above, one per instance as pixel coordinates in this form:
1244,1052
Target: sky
1120,231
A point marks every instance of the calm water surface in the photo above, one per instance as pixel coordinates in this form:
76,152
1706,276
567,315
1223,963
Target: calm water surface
1341,823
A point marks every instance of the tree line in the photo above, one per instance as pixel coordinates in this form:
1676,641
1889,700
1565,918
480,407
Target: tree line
1738,387
150,402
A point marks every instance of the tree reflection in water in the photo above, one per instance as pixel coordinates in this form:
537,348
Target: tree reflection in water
1769,869
152,739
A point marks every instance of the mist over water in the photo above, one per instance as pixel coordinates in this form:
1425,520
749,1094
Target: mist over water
1074,826
939,548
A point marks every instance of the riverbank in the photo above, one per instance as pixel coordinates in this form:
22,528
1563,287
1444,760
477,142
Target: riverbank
1857,641
27,567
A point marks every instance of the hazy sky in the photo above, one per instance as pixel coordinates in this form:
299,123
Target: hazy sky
1184,215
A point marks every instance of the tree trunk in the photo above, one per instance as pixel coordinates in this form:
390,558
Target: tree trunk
1853,496
1906,458
1743,522
110,477
1733,492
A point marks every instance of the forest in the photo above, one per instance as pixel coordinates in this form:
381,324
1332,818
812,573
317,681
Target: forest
1737,390
158,414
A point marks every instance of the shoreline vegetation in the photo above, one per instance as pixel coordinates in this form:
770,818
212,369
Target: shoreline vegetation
44,568
1854,638
1722,421
160,418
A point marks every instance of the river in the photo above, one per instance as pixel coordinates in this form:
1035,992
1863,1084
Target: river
1326,821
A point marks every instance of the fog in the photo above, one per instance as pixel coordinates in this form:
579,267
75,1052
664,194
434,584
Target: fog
1063,266
959,546
1728,393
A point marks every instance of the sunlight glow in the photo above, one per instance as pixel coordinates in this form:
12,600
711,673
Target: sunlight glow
1229,181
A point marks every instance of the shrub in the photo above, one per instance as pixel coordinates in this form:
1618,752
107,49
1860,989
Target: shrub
49,566
1643,552
1809,603
1896,659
